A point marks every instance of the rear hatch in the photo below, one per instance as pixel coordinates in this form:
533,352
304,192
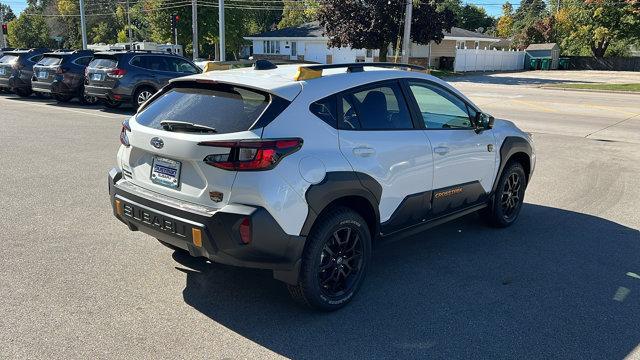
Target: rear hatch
103,71
47,68
165,153
7,63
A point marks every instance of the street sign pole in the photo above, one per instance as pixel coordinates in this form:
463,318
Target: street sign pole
221,29
129,23
194,28
83,26
406,38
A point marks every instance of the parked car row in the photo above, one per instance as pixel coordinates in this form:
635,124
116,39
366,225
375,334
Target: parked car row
112,78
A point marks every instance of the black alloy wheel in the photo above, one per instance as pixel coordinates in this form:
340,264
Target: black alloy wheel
512,192
509,196
340,262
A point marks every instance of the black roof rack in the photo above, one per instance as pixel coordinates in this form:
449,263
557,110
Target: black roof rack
359,66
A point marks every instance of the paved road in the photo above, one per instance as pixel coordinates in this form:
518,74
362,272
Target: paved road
564,282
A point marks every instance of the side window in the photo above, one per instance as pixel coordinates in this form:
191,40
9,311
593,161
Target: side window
154,63
325,109
35,59
377,108
137,61
439,108
83,61
182,66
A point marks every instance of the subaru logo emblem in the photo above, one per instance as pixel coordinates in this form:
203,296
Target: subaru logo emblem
157,143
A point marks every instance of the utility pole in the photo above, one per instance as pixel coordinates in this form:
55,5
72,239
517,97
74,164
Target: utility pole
129,23
406,38
221,29
194,27
83,26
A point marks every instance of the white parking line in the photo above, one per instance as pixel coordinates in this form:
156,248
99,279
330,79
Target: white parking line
66,109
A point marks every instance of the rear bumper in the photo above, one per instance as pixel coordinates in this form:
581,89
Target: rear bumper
178,223
20,82
39,86
106,93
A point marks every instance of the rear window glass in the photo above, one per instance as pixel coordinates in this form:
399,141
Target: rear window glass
7,59
225,108
50,61
104,63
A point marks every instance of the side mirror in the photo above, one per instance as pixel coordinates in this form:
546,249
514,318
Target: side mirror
484,122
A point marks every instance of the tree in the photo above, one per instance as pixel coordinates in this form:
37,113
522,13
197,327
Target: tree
8,13
374,24
597,24
472,17
504,28
28,31
298,12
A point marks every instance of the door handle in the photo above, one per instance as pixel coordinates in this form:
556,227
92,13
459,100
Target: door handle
364,151
441,150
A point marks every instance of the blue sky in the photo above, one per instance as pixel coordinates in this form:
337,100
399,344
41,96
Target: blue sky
489,5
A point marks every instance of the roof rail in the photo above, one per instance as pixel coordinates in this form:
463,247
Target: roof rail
315,71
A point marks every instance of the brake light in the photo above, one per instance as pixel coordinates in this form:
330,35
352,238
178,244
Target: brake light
124,138
251,155
116,73
245,230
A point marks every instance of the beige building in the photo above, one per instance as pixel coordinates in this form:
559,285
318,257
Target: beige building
307,42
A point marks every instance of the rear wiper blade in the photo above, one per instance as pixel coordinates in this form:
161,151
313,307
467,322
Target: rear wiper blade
173,125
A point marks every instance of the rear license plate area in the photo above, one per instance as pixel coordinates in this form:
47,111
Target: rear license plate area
166,172
43,75
96,77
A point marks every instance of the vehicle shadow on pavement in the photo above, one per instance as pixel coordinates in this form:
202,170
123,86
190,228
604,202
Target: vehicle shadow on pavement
558,284
73,104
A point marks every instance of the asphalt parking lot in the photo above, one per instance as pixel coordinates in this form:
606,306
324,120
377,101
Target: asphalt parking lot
564,282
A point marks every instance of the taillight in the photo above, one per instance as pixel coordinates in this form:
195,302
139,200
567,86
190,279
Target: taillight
59,70
17,65
116,73
251,155
124,138
86,71
245,230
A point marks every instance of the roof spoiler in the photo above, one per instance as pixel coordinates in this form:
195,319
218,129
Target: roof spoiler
315,71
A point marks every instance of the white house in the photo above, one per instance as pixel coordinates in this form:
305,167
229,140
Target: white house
307,42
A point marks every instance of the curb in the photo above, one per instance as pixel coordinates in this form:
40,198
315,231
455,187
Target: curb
590,90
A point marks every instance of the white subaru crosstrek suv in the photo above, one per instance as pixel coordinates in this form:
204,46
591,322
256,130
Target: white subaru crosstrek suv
299,169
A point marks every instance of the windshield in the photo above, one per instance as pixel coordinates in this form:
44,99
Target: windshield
8,59
104,63
225,108
49,61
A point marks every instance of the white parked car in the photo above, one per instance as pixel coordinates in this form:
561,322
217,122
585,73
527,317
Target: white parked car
300,169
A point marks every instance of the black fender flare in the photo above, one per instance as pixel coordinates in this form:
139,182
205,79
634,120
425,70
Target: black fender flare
340,184
510,146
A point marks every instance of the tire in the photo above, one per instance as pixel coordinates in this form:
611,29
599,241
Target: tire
88,99
338,242
141,95
111,104
509,196
23,93
62,98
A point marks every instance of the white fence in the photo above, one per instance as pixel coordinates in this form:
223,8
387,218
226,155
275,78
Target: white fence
488,60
